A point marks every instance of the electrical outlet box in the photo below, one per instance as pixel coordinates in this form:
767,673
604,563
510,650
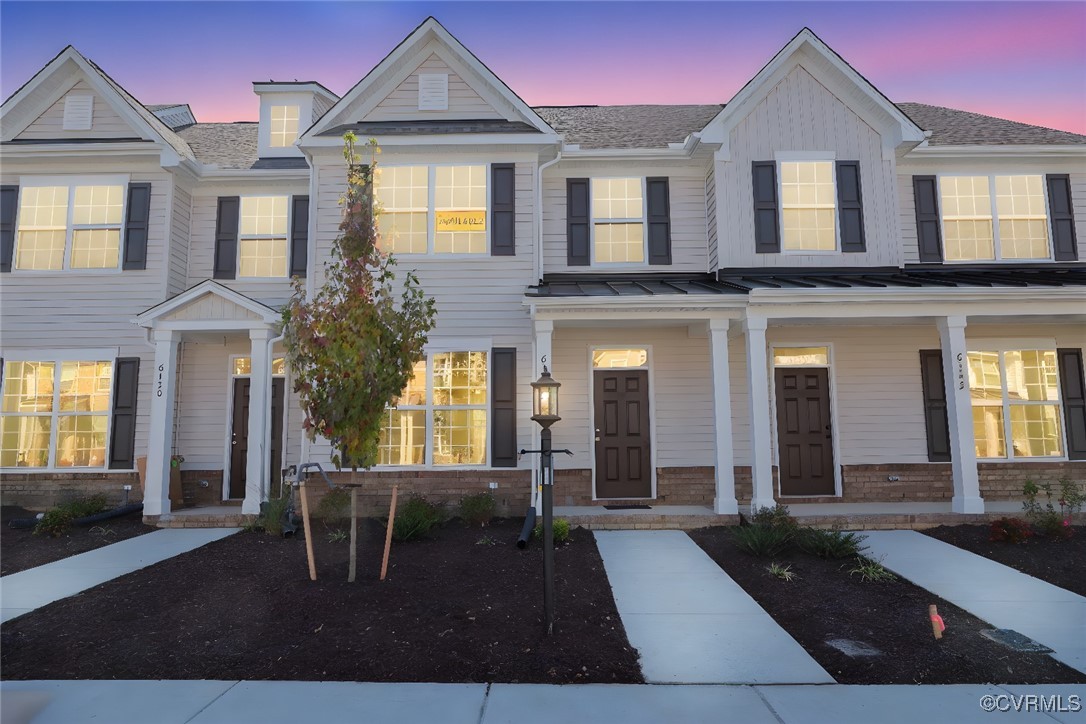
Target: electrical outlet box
128,487
493,486
893,478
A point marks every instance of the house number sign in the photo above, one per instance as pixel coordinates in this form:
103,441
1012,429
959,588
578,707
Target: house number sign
158,383
961,371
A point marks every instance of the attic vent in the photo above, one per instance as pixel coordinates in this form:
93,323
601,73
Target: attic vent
78,112
433,91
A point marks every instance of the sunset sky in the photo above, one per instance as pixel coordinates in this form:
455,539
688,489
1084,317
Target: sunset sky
1024,61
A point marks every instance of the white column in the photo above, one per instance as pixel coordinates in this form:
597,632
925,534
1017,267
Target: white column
724,503
761,462
544,334
156,494
259,401
959,410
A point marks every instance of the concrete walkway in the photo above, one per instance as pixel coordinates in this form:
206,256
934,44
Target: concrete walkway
287,702
691,623
27,590
996,593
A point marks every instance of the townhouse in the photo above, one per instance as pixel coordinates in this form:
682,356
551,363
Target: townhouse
809,294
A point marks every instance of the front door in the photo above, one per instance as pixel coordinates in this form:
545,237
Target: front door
623,453
239,435
804,431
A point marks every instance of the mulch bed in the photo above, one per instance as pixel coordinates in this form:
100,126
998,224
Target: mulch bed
20,549
825,602
1059,562
462,606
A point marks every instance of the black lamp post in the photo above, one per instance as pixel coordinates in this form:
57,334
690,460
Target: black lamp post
545,409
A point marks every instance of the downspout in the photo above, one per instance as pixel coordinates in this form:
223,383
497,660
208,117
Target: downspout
268,418
539,215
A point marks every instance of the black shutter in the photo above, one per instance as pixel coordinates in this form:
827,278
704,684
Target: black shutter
1073,391
122,446
136,225
767,235
226,237
935,415
850,211
9,200
577,223
659,217
503,210
503,421
299,235
1062,214
929,238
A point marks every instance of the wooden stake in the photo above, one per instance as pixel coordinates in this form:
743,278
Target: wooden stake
388,533
308,532
354,536
937,624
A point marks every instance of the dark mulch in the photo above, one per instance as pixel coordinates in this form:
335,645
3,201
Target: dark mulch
20,549
1059,562
451,610
825,602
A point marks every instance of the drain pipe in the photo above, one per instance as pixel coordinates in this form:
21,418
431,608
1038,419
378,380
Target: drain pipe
266,437
539,214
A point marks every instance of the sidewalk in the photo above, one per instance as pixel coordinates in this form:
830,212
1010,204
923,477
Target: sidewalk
991,591
27,590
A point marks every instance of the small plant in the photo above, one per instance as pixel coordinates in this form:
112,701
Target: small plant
775,517
871,571
477,509
416,518
56,521
1050,522
784,573
560,527
271,516
1009,530
834,543
764,541
486,541
337,536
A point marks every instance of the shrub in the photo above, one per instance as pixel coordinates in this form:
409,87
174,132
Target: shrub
416,518
337,536
834,543
271,516
1010,530
560,526
764,541
335,505
871,571
477,509
57,520
1050,522
775,517
782,572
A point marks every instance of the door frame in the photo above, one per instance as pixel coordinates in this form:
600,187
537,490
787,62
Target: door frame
230,377
834,418
591,416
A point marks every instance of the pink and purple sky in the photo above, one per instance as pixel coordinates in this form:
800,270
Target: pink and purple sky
1020,60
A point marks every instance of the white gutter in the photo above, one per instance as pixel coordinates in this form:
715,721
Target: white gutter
539,215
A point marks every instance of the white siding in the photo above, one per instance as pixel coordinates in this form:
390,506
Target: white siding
105,123
180,216
403,102
710,219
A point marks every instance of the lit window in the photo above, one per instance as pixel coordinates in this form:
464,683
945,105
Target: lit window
284,126
808,206
403,431
618,220
618,358
460,210
403,197
1020,226
1016,398
93,237
800,356
457,221
262,237
243,366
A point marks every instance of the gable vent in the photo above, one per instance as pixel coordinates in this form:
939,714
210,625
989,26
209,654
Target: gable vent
433,91
78,112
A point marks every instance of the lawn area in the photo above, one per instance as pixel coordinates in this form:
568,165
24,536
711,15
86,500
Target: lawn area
464,605
825,602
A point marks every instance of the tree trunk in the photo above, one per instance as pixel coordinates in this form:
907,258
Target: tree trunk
352,570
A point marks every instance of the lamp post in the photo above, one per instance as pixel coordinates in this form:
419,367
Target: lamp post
545,413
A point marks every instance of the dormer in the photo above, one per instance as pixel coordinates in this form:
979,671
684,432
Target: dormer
287,109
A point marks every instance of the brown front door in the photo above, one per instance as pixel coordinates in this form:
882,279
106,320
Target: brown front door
623,457
804,431
239,435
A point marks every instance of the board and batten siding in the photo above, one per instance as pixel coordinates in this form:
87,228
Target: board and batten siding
800,114
686,187
403,102
105,122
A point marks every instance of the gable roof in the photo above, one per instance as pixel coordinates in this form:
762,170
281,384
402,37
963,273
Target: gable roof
208,287
953,127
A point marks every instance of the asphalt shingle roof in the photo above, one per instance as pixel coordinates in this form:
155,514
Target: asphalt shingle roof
952,127
627,126
231,146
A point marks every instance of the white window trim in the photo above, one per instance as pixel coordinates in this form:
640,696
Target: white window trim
644,221
431,212
996,246
800,157
271,128
238,276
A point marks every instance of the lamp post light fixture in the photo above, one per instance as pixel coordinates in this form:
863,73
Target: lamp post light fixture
545,413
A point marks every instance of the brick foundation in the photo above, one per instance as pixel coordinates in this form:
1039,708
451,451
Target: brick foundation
674,486
449,486
999,481
195,494
41,491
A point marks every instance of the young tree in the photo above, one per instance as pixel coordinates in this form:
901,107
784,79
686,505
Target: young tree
352,345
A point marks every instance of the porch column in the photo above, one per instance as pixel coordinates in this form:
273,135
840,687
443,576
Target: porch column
959,408
156,494
259,382
544,334
724,503
761,461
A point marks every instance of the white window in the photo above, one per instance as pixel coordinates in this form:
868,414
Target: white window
432,209
284,126
1018,229
70,226
1016,397
445,420
55,413
808,206
262,237
618,220
620,358
801,356
243,366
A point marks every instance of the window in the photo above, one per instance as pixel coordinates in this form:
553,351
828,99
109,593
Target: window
1019,229
619,358
1016,398
284,126
262,237
243,366
808,206
618,220
46,401
438,209
445,420
76,226
800,356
